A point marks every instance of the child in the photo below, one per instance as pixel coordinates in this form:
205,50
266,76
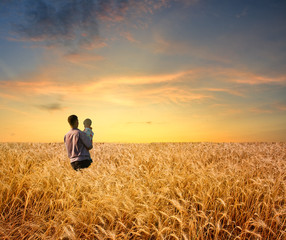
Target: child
88,130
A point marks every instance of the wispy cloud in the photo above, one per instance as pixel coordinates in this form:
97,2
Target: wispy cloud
51,107
23,88
195,85
244,76
253,79
147,89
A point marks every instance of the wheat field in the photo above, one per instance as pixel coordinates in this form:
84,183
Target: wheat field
144,191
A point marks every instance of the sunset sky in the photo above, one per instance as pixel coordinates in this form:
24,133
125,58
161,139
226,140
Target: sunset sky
143,71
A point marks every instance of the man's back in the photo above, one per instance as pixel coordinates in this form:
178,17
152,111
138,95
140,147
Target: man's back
77,145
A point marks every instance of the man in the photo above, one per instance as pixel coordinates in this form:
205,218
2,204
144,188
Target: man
77,145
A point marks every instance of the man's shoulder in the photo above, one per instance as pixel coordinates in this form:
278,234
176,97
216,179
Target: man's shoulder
73,131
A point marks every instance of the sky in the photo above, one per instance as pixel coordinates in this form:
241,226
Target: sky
143,71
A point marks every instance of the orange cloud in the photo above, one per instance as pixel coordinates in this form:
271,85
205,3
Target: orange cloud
130,90
250,78
245,77
34,88
137,89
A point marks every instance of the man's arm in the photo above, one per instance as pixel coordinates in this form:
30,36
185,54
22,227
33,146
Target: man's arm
85,140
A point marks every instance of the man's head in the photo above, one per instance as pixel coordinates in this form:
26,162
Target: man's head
87,122
73,121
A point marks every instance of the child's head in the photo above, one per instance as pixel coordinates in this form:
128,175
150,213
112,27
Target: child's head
87,122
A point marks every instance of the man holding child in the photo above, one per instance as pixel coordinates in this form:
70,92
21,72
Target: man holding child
78,145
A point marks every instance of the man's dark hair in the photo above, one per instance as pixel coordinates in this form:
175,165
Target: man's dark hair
72,119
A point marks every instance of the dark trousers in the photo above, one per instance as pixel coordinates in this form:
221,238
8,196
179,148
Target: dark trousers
81,164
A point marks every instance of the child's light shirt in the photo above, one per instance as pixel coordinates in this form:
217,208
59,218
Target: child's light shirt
89,133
